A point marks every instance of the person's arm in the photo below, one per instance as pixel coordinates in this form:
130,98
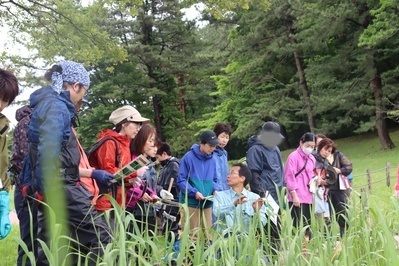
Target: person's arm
289,172
216,186
291,181
182,180
53,133
5,180
222,206
255,164
346,165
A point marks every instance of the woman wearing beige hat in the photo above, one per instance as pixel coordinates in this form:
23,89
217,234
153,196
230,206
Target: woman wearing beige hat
127,122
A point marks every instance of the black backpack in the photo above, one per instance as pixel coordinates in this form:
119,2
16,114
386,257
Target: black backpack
105,188
93,159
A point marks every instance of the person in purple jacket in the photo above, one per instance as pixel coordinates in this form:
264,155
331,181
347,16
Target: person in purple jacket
297,174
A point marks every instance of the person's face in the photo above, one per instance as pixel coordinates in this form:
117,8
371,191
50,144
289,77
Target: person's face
308,144
162,157
325,151
318,141
131,129
150,149
3,104
77,92
207,148
234,178
270,139
223,139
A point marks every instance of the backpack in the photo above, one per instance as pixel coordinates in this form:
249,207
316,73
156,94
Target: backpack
105,188
93,159
20,144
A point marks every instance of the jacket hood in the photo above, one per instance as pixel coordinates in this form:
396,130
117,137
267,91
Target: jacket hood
22,112
196,150
254,140
41,94
219,151
110,133
47,92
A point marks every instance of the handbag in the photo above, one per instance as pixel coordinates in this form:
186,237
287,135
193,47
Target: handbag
343,182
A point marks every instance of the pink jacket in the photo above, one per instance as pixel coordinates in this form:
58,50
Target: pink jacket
295,162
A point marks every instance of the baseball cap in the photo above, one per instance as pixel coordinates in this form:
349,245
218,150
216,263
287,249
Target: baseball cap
209,137
272,127
128,113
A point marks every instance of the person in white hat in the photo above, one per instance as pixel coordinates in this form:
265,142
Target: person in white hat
127,122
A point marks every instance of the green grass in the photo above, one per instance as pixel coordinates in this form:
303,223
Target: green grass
369,240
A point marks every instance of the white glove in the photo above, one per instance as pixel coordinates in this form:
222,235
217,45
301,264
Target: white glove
166,194
157,204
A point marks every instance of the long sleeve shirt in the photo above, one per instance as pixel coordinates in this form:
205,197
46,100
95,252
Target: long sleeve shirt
295,162
242,216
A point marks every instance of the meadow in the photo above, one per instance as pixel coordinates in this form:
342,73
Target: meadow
373,223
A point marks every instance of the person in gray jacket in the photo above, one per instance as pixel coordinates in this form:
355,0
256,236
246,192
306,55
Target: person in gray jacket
265,161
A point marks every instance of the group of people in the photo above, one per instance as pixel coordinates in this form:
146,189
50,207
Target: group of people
52,171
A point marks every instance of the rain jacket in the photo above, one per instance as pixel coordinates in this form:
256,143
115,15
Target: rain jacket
295,162
105,160
197,173
266,165
222,168
4,127
53,147
170,169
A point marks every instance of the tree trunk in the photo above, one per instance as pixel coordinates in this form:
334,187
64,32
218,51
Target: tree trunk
380,115
157,117
182,102
305,91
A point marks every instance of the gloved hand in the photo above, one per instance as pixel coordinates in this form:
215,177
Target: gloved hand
26,191
5,224
166,194
102,176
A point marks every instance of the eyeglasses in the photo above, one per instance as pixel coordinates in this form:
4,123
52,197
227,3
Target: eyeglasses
86,91
138,124
233,173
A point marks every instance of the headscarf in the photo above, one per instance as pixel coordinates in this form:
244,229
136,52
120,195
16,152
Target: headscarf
72,72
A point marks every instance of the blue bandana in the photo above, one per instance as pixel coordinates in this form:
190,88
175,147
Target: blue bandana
72,72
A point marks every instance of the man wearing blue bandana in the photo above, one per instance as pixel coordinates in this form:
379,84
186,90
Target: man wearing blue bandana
50,175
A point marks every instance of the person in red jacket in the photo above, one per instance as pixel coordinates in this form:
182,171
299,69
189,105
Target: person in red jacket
127,122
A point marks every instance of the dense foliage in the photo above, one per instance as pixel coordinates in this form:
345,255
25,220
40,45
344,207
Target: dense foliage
324,66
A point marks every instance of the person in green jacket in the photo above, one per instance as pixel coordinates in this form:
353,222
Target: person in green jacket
9,89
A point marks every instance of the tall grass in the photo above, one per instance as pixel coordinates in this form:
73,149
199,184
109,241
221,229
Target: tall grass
369,239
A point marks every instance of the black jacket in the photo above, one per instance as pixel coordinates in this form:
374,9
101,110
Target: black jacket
170,169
